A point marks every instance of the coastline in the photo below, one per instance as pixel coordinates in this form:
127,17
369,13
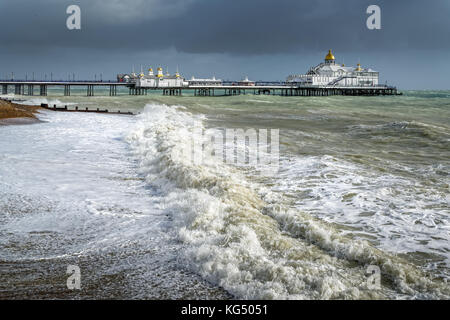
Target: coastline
109,198
16,114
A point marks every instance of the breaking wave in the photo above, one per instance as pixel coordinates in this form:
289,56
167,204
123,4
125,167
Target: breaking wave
239,235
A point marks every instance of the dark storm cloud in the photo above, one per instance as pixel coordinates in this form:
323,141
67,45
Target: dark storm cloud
264,39
216,26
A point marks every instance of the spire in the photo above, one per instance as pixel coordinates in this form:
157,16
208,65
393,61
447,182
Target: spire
329,56
160,72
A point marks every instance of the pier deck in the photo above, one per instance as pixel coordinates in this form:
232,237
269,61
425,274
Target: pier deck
268,88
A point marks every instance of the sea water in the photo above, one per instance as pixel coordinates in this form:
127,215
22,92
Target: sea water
361,182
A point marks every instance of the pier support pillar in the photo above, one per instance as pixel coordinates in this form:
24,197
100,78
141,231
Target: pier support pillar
30,90
4,89
203,92
113,90
67,90
43,90
19,89
139,91
90,90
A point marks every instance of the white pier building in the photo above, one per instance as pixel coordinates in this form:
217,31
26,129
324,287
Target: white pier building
329,73
159,80
205,82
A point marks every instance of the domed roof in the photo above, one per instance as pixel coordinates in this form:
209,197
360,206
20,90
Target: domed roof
330,56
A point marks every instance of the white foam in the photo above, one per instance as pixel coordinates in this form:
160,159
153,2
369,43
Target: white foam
386,207
39,101
236,238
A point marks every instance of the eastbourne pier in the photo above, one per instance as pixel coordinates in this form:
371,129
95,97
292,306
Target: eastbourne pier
328,78
40,88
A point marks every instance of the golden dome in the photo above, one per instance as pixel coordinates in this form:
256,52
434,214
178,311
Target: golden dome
329,56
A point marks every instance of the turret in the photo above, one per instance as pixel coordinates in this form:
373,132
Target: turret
329,59
160,73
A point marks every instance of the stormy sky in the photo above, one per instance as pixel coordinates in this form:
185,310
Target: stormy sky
261,39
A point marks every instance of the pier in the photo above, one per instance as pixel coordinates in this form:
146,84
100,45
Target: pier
20,87
28,87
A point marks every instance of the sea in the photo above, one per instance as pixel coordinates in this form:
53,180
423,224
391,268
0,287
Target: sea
357,206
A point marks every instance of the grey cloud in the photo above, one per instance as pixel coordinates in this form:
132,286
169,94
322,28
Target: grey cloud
235,27
227,38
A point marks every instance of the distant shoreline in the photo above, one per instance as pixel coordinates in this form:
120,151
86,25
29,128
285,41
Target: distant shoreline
16,114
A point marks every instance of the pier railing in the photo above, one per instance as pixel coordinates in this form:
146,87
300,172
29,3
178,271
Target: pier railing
228,88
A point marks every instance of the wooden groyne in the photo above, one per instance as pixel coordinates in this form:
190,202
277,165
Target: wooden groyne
77,109
66,109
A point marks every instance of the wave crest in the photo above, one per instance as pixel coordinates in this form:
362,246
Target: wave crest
239,235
